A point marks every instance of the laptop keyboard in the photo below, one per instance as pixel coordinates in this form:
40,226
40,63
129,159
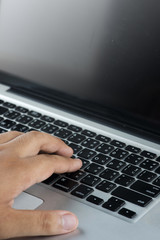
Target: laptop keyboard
117,178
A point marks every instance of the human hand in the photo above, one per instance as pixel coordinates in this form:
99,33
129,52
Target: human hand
21,166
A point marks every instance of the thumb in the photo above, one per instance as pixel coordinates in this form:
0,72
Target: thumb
21,223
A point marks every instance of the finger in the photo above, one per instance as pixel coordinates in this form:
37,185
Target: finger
36,169
39,168
8,136
38,223
31,143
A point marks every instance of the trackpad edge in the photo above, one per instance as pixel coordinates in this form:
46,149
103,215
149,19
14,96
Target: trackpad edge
26,201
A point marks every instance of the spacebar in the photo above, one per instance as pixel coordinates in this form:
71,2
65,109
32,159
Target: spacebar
131,196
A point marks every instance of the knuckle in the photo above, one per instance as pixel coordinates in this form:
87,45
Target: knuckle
38,135
35,134
15,133
60,141
46,221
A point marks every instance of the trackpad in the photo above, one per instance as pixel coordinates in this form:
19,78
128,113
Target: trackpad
26,201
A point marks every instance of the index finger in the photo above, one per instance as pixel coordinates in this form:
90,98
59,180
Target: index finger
31,143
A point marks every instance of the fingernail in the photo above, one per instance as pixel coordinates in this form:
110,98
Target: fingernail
69,149
80,161
69,222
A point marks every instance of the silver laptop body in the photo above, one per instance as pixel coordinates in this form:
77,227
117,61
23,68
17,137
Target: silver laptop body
31,55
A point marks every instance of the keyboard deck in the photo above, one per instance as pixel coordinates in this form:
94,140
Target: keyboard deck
117,178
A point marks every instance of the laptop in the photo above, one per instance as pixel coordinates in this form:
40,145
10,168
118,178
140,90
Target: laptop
88,72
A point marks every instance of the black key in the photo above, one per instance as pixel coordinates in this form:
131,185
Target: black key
116,164
86,153
119,153
9,105
2,130
20,128
49,128
47,119
90,143
101,159
76,138
82,191
32,129
85,163
131,196
103,138
65,184
158,159
158,170
66,142
24,119
90,180
94,168
88,133
146,176
1,119
34,114
131,170
133,149
1,101
52,178
117,144
106,186
113,204
124,180
60,123
157,182
21,109
95,200
7,124
11,114
109,174
104,148
148,154
3,110
127,213
37,124
62,133
134,159
76,175
74,128
149,164
76,148
145,188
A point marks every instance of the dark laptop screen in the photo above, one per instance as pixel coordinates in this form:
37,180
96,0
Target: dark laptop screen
103,53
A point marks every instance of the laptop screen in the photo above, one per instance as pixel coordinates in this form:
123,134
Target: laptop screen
104,53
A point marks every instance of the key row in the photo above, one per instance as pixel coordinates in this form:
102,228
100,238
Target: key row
63,133
66,184
112,175
119,193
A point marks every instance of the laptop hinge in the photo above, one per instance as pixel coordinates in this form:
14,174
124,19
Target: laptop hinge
75,108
